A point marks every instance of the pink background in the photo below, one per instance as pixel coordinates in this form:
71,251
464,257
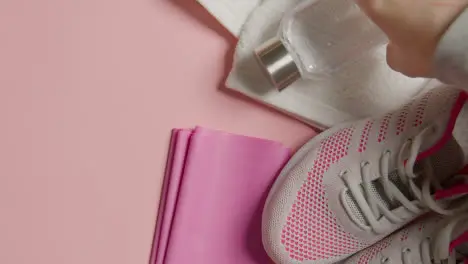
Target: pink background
89,92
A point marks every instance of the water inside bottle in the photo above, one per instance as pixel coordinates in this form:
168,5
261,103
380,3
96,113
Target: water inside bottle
330,33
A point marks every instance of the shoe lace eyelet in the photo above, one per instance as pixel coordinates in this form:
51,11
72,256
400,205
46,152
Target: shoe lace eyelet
406,250
384,260
343,173
364,164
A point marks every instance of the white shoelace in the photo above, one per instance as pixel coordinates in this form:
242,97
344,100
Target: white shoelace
372,208
437,250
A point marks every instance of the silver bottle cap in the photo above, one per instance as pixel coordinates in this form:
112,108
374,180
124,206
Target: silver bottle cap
277,63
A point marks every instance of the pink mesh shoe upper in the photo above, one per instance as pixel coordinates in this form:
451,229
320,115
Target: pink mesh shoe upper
300,213
311,231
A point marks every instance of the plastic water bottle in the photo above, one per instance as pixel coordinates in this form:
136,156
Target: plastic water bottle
316,38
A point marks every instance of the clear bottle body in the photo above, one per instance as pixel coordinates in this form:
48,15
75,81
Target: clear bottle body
324,35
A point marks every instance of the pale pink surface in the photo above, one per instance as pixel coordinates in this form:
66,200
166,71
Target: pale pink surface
90,90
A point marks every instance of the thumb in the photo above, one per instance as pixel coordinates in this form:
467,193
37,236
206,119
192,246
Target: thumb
407,63
386,14
394,57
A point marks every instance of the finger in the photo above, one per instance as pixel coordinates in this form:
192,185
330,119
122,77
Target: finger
393,57
399,62
368,5
386,14
372,8
411,66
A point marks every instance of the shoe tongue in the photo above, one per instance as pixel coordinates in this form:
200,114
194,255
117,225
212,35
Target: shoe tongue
445,162
460,129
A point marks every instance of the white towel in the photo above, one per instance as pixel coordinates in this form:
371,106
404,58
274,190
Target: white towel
322,106
230,13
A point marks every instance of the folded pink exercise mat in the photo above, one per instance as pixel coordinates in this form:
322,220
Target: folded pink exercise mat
213,195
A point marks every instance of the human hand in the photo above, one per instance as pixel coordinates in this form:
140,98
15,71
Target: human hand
414,28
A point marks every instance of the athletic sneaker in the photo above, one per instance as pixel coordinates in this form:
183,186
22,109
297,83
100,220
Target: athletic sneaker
428,241
358,182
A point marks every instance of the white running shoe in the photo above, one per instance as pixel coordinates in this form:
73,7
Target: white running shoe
358,182
432,240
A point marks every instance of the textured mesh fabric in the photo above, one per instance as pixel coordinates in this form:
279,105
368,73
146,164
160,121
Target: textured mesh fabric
311,231
354,207
445,163
390,249
373,251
